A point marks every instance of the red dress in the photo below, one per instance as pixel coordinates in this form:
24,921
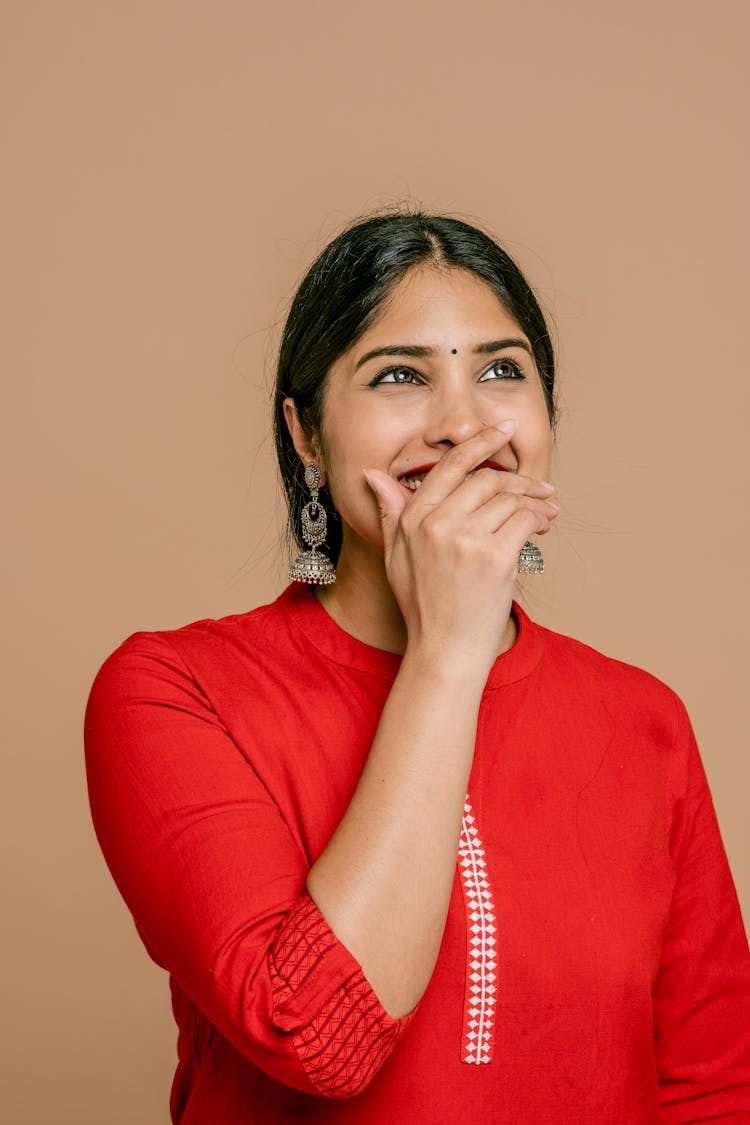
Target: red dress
594,967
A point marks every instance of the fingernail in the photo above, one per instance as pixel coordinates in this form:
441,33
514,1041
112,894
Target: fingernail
508,427
553,504
546,484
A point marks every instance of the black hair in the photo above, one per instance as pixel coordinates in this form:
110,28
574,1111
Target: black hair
340,297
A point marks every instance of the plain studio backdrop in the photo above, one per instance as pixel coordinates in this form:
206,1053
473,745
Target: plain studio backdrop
171,167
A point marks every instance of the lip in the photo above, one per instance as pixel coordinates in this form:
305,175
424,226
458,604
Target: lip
494,465
426,469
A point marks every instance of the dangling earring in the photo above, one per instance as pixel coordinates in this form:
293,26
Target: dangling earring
310,566
531,559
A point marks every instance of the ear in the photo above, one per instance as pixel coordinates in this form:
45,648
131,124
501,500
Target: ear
307,447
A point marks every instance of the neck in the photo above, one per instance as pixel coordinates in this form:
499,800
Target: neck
361,602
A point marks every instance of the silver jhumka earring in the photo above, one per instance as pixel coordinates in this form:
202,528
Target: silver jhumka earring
531,559
310,566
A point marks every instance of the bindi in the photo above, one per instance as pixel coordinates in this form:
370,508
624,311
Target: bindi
454,351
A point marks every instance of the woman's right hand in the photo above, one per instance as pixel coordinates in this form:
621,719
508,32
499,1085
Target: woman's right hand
383,882
451,548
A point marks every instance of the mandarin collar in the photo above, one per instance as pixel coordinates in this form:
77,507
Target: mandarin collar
299,603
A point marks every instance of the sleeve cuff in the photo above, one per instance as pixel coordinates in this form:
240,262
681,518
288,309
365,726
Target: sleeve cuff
341,1032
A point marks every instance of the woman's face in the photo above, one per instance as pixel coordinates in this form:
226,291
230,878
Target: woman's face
443,359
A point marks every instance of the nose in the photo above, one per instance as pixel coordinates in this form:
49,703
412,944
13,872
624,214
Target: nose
455,414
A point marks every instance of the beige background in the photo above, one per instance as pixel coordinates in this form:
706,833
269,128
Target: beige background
171,168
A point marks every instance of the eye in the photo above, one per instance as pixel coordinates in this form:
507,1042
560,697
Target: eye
395,375
502,369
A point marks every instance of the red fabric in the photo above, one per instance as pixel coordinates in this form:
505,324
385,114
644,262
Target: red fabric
222,755
343,1045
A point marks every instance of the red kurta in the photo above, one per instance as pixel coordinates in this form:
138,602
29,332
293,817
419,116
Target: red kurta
594,967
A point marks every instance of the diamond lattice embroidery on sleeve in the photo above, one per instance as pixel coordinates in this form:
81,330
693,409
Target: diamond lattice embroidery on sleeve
481,978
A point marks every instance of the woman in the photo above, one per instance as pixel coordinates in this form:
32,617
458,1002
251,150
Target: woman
405,854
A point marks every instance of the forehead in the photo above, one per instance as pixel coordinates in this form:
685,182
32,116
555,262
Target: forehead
430,304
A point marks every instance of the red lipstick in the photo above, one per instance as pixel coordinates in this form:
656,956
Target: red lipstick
426,468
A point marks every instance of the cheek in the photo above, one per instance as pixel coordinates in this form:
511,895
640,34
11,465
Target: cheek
545,442
347,448
344,457
356,506
535,446
362,434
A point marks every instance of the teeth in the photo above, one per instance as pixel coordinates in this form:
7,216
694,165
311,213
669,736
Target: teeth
413,483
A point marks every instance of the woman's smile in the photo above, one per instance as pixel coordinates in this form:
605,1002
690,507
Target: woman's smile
442,361
413,479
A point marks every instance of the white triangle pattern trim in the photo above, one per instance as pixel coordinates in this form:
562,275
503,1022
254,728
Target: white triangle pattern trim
479,1015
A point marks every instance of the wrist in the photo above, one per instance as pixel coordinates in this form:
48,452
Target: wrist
446,666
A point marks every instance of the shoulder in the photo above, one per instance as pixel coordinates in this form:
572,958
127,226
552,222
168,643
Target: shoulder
628,692
594,700
569,656
207,649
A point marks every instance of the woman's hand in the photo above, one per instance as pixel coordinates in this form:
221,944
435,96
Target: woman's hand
451,549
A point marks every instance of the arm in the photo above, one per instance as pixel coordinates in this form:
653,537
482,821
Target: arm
451,551
215,881
385,878
702,992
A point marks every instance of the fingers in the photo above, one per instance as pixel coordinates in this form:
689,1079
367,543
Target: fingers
527,486
453,467
489,498
498,511
500,550
486,484
516,516
391,500
479,498
458,497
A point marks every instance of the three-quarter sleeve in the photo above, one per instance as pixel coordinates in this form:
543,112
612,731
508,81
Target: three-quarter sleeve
702,991
215,879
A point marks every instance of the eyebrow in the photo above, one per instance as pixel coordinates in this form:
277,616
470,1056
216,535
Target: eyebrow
417,351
